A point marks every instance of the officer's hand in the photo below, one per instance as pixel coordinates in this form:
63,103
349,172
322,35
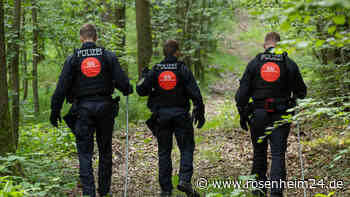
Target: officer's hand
130,91
145,72
244,124
243,113
201,122
293,102
55,117
198,117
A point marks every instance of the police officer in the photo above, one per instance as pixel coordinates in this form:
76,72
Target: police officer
274,82
88,78
169,86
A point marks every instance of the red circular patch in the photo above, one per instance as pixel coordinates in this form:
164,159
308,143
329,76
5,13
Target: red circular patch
91,67
167,80
270,72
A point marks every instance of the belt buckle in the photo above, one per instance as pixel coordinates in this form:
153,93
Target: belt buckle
269,104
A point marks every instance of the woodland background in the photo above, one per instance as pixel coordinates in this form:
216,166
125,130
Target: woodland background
218,38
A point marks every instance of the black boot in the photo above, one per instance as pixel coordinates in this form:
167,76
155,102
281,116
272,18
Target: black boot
187,188
165,194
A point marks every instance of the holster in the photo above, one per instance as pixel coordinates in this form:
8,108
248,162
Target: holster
71,117
246,111
250,109
116,101
152,124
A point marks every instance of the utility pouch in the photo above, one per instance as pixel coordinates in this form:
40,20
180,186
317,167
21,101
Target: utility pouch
116,101
71,117
250,109
153,125
269,104
281,104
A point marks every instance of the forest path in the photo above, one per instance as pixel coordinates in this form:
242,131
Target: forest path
235,144
222,151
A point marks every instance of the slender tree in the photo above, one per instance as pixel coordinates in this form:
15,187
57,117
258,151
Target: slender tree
106,16
184,23
24,57
14,66
36,56
144,34
198,64
120,17
7,139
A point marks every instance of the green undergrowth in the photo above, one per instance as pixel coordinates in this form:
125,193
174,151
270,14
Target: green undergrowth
44,158
335,148
227,118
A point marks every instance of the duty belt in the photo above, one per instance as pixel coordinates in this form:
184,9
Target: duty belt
272,104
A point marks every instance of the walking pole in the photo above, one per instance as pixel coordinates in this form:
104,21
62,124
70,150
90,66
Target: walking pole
127,148
301,157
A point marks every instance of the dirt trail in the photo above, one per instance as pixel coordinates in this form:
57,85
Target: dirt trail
220,153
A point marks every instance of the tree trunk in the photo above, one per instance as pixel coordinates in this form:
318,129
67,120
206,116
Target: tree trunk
14,65
199,67
120,17
180,18
184,22
144,35
7,139
24,59
36,57
25,72
106,16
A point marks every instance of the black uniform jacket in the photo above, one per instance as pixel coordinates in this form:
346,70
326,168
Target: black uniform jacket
295,85
65,83
189,89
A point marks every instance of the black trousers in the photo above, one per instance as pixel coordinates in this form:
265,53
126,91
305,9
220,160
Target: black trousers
178,122
95,116
278,144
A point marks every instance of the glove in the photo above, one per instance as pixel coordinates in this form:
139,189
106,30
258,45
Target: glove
198,116
292,102
55,117
244,124
145,72
129,91
244,119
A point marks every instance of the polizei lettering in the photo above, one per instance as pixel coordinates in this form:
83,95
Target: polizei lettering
166,66
89,52
272,57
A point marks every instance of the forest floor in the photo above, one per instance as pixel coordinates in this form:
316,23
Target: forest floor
222,151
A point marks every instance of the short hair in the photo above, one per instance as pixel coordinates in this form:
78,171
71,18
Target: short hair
88,31
272,37
170,47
